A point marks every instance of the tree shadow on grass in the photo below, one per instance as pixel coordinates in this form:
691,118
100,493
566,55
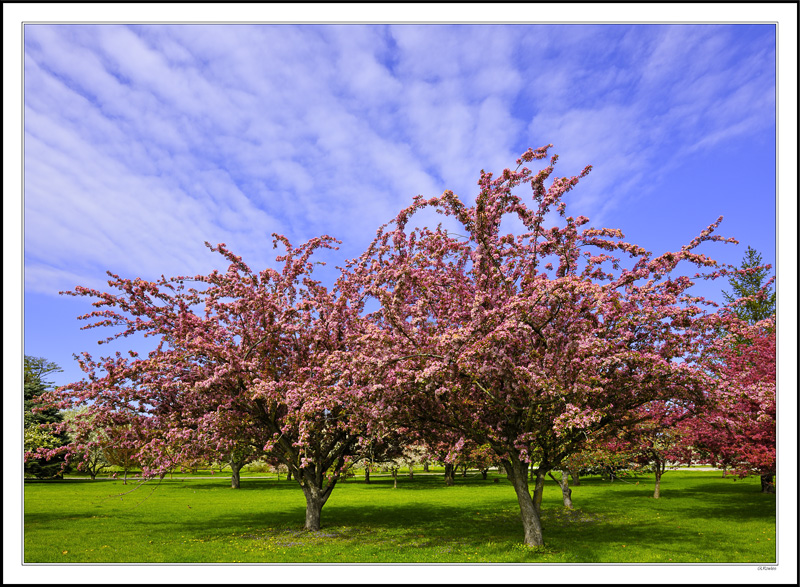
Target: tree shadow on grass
706,500
246,485
580,536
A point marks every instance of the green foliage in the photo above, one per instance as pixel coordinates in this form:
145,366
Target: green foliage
37,368
754,285
705,518
35,437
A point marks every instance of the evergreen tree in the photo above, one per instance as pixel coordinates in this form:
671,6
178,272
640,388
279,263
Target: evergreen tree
752,282
36,369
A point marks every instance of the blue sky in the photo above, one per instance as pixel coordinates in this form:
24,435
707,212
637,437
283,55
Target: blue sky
142,142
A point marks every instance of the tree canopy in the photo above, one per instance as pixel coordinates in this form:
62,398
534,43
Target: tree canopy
527,335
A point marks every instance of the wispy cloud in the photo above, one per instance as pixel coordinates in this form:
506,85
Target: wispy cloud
144,141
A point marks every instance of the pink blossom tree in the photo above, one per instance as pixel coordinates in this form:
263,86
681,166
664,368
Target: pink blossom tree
242,364
530,342
737,431
656,439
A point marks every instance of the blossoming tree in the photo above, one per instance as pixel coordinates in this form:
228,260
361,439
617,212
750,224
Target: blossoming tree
240,366
530,342
737,431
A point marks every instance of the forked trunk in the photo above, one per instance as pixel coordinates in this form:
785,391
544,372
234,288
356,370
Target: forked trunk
517,473
313,513
566,492
315,499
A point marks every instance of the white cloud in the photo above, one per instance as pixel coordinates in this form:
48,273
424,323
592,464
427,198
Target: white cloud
142,142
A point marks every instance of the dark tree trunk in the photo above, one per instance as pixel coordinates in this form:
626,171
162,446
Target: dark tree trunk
463,470
538,490
314,503
576,479
289,475
316,494
767,484
449,473
425,467
366,474
236,469
517,473
394,476
92,475
485,473
411,472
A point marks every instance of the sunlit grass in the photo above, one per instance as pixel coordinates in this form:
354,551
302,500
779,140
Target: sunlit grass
700,518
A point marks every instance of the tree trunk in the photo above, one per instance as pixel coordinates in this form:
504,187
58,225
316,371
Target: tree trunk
576,479
464,470
566,492
516,472
659,469
394,476
411,472
449,473
235,474
314,503
289,475
485,473
767,484
538,490
425,467
366,474
125,477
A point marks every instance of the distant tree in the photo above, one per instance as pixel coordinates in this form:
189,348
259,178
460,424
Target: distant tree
119,449
37,368
92,458
738,429
38,419
752,297
657,439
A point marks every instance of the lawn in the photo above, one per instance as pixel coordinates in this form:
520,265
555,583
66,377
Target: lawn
700,518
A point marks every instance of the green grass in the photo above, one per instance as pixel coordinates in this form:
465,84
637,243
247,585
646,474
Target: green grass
700,518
